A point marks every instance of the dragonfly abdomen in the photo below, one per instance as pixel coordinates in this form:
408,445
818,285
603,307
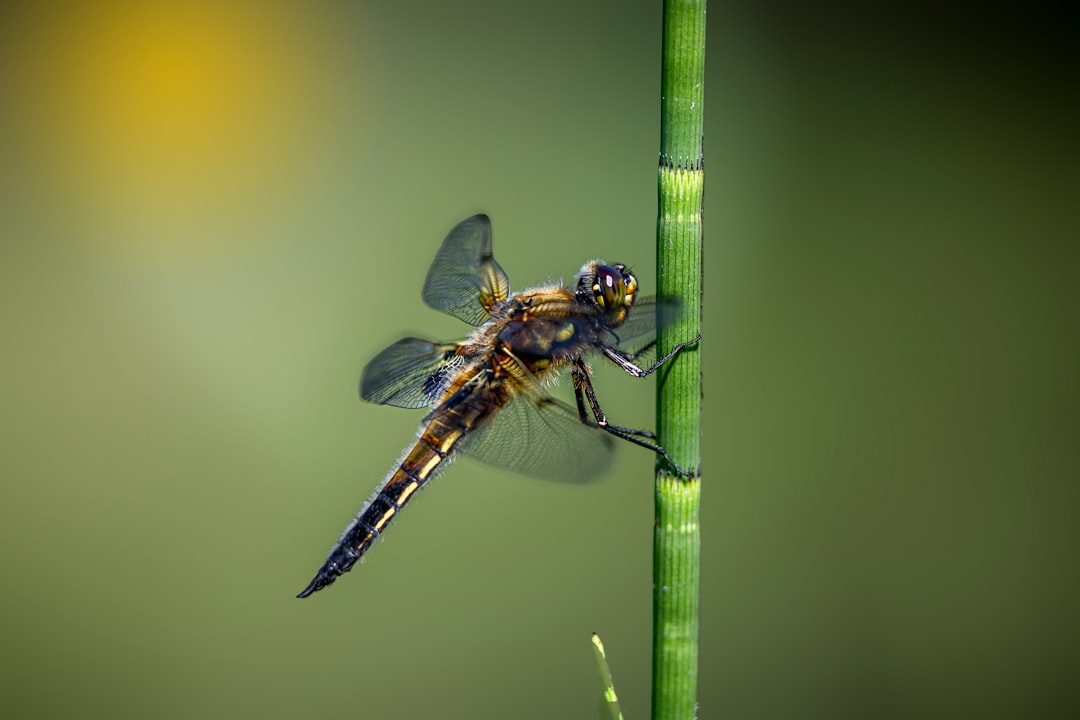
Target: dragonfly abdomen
445,427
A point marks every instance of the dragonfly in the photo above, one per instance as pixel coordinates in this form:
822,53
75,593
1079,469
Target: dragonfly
488,394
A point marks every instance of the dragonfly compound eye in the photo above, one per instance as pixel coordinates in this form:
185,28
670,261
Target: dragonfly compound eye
630,282
608,287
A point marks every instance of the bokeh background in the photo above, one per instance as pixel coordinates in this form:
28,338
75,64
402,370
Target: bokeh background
213,213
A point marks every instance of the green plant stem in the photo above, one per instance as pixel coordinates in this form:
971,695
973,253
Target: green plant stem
677,535
611,700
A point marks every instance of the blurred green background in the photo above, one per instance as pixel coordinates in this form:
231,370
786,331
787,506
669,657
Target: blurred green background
213,214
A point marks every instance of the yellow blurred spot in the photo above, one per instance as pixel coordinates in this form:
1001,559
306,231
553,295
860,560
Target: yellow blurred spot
167,85
161,119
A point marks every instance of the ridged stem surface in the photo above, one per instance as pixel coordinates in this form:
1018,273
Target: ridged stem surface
677,533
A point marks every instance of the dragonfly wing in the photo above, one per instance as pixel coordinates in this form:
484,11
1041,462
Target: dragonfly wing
408,374
464,280
538,435
637,335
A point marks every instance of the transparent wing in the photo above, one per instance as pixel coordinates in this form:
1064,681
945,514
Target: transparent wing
407,374
637,335
464,279
538,435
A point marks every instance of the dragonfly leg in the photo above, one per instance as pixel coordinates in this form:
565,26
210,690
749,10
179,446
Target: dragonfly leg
583,390
626,360
640,351
584,393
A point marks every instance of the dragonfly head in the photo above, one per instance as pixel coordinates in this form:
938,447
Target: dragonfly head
610,288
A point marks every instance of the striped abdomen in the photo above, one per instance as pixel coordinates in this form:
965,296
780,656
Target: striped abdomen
467,406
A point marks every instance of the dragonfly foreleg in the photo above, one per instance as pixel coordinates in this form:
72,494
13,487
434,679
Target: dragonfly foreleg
626,360
640,351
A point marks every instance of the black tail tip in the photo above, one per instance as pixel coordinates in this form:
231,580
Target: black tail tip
316,585
327,574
